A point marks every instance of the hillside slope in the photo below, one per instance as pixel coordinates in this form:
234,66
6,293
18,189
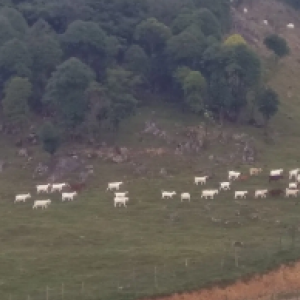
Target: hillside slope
284,77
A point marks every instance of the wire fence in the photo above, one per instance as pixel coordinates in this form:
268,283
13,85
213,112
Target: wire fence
187,274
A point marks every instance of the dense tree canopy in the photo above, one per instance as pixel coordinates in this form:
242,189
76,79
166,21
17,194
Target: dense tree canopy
88,63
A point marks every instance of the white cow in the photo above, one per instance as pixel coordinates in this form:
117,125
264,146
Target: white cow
57,187
201,180
43,188
260,193
165,194
22,197
298,178
276,172
293,173
240,194
290,25
209,193
293,185
185,196
225,186
121,194
114,185
68,196
265,22
41,203
121,200
289,192
233,175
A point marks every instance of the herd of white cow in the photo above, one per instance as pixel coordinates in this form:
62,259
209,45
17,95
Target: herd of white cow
121,198
46,188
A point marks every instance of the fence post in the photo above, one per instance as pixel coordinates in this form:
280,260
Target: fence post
62,291
134,282
10,297
47,293
82,287
155,277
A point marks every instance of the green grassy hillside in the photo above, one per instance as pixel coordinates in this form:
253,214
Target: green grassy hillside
87,249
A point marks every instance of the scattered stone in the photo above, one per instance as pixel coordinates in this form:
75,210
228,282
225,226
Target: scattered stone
23,152
40,170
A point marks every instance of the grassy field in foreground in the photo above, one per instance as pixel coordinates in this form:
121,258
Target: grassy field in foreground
88,249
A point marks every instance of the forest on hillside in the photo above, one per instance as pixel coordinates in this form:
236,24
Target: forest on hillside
85,65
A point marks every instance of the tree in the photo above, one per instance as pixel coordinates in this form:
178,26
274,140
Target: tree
85,40
234,40
186,48
15,60
120,85
50,138
182,21
277,44
152,35
136,60
207,22
16,20
194,86
268,104
15,103
7,32
66,88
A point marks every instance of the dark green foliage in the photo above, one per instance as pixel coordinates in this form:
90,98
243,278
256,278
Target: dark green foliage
89,61
16,20
65,91
85,40
268,102
15,103
277,44
7,31
152,35
50,138
15,60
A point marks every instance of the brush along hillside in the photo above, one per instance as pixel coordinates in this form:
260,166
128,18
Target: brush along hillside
150,93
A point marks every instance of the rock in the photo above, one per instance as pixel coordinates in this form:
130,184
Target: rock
40,170
163,172
118,159
23,152
124,151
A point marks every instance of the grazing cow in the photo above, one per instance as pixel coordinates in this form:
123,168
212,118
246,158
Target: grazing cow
276,192
255,171
260,193
233,175
289,192
240,194
225,186
243,177
185,196
77,187
293,185
275,177
276,172
293,173
41,203
201,180
169,195
114,185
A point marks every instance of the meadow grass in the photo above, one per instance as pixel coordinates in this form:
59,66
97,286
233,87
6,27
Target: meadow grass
153,246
